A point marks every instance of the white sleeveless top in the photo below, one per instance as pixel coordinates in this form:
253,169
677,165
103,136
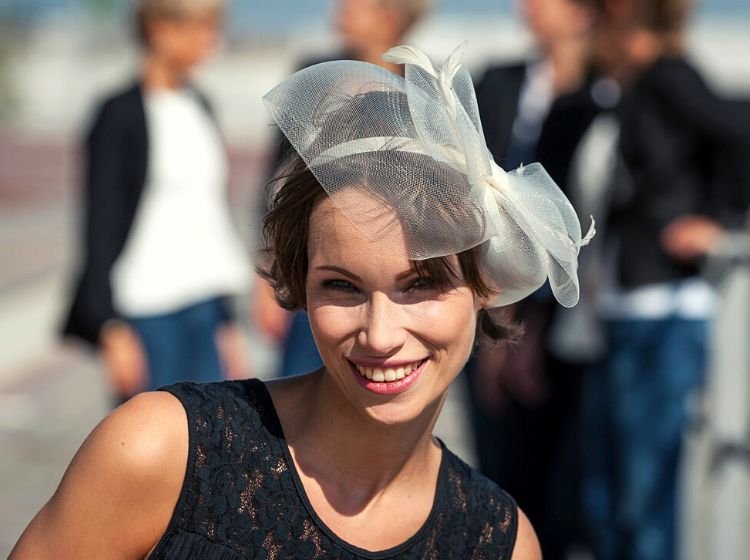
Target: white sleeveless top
183,246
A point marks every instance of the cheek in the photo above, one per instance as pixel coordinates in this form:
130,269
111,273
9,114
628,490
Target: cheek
449,325
194,43
331,324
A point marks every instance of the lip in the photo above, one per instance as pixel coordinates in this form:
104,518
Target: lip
390,387
381,364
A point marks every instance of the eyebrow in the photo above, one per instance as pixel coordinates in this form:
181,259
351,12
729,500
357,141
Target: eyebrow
334,268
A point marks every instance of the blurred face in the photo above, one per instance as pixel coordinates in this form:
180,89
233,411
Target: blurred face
555,20
391,342
364,23
184,42
614,39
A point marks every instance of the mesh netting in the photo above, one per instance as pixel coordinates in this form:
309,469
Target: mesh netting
415,144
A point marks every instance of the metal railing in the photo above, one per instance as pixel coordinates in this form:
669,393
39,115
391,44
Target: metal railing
716,481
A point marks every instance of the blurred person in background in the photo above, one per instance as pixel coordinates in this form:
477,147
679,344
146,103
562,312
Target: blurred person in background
161,256
341,463
677,190
366,29
525,400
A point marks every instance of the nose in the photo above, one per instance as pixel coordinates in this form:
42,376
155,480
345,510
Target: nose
383,332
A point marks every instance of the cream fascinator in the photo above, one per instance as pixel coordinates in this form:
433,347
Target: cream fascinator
415,145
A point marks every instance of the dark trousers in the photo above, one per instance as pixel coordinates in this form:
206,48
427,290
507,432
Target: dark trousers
181,346
634,417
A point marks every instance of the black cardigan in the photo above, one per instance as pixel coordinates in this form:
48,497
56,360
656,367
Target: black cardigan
116,162
686,151
498,93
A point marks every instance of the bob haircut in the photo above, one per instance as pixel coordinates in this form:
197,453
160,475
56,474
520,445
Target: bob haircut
149,10
286,231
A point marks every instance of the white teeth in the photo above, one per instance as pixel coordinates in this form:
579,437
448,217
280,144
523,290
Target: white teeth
381,375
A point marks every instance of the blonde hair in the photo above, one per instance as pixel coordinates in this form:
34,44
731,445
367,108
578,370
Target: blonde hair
147,10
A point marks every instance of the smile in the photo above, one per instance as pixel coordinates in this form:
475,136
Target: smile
387,374
388,379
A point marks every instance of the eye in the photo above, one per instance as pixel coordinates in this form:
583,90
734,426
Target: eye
338,285
421,284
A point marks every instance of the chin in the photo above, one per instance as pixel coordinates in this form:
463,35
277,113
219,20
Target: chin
420,402
395,414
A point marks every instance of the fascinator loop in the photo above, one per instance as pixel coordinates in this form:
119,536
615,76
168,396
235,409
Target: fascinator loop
415,144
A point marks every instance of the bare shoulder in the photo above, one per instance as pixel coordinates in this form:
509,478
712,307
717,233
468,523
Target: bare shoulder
119,492
527,545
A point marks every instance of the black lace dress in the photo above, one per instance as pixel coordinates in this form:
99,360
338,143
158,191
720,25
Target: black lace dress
242,497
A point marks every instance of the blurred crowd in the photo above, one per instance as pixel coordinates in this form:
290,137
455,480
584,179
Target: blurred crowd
585,420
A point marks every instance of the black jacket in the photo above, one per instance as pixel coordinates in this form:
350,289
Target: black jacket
498,94
682,148
116,161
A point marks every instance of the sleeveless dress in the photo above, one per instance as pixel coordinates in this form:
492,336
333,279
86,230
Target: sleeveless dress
242,497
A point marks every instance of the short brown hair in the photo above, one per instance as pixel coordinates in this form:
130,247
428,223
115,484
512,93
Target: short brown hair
148,10
662,16
286,228
659,16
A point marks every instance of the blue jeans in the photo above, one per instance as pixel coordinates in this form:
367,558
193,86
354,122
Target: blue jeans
181,346
300,354
634,415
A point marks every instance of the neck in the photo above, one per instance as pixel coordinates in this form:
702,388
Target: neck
158,73
341,448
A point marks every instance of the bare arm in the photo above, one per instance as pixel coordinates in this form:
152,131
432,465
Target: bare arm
119,492
527,545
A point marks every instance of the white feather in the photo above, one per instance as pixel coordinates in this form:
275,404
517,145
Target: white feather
409,55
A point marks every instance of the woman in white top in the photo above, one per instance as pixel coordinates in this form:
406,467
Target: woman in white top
162,254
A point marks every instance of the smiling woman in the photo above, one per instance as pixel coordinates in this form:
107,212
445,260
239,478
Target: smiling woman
378,324
397,232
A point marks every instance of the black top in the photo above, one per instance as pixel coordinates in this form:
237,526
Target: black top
242,497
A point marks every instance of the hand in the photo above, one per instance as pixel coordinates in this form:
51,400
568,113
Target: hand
514,373
505,374
233,351
486,384
124,359
690,237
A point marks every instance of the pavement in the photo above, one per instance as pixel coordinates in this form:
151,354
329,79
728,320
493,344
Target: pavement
52,394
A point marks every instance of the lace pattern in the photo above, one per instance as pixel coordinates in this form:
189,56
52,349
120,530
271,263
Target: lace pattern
241,496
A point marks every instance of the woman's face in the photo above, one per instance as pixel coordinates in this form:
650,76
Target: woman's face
184,42
363,24
391,342
553,21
